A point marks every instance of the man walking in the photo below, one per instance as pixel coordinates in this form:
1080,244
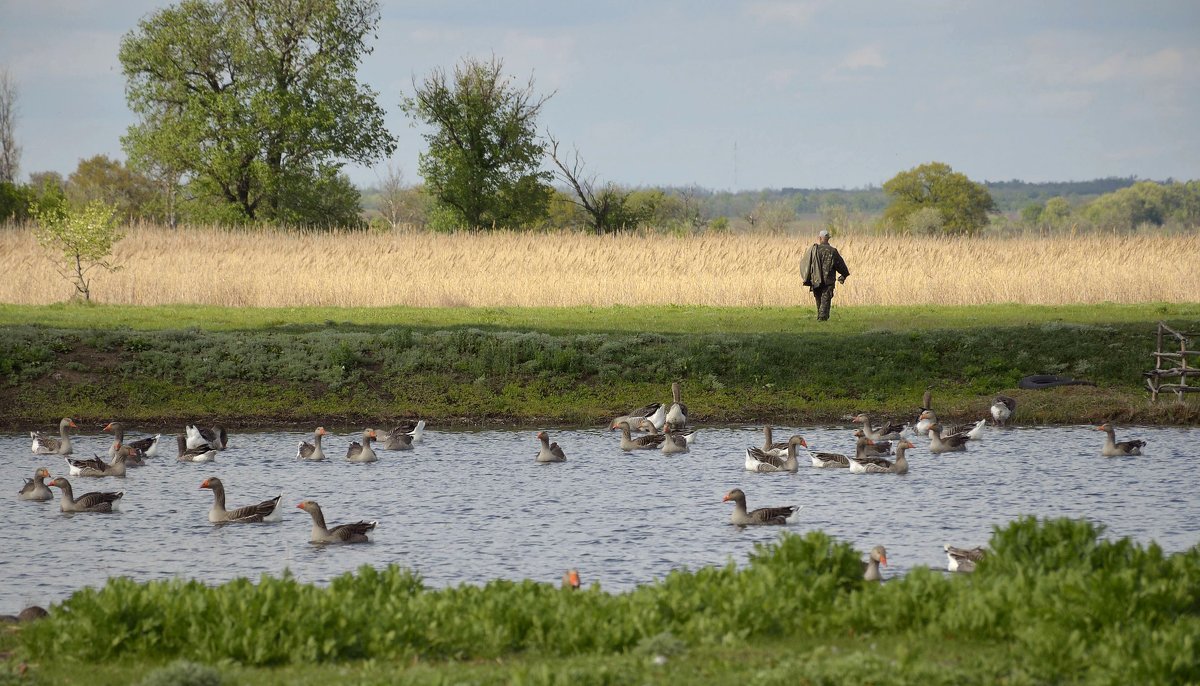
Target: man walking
818,267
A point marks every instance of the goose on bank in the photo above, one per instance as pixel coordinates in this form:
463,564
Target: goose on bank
1003,407
344,533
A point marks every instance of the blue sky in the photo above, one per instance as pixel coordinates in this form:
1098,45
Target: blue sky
728,95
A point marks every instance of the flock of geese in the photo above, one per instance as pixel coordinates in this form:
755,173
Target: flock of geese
662,427
199,444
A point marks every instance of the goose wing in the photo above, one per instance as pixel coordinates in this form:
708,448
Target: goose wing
352,532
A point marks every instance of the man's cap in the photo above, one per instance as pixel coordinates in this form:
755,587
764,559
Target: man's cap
823,234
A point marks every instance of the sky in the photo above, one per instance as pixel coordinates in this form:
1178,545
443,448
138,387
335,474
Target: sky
723,94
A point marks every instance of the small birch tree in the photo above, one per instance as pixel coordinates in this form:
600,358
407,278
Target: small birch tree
80,240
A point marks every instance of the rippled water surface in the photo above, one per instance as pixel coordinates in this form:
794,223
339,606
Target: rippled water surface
473,506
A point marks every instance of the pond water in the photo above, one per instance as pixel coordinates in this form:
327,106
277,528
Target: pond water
471,506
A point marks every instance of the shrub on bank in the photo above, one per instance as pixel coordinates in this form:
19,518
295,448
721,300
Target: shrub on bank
1057,601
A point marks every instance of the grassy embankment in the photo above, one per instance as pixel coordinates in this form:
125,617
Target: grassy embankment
1051,604
246,366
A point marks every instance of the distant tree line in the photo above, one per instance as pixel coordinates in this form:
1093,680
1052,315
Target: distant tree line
247,111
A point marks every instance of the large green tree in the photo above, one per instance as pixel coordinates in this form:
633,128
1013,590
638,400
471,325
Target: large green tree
963,204
484,157
256,103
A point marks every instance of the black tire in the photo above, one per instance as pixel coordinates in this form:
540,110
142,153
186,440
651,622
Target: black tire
1036,382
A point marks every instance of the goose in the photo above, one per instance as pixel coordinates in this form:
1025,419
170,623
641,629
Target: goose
570,579
647,442
215,438
923,423
862,457
550,452
779,449
266,511
312,451
887,432
655,413
1003,407
871,447
397,440
877,556
35,488
95,501
763,515
759,460
344,533
1114,448
404,436
677,413
973,430
44,444
825,460
688,436
97,466
362,452
145,446
882,466
963,559
201,453
673,443
939,443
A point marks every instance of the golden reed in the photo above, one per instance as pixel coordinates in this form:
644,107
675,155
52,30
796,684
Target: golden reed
272,268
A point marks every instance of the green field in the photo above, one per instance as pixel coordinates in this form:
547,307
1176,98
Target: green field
573,366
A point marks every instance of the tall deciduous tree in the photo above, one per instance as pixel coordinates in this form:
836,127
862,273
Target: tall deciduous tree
606,205
256,102
483,161
10,152
963,204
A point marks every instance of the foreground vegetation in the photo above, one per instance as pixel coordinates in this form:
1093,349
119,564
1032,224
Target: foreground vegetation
572,366
1053,603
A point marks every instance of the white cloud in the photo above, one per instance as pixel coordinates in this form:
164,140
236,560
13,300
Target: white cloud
868,57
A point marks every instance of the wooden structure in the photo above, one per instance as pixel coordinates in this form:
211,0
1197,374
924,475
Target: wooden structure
1154,377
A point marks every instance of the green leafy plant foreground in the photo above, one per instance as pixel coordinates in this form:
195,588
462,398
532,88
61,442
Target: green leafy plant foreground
1060,603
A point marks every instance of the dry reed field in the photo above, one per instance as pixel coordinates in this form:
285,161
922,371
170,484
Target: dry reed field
280,269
